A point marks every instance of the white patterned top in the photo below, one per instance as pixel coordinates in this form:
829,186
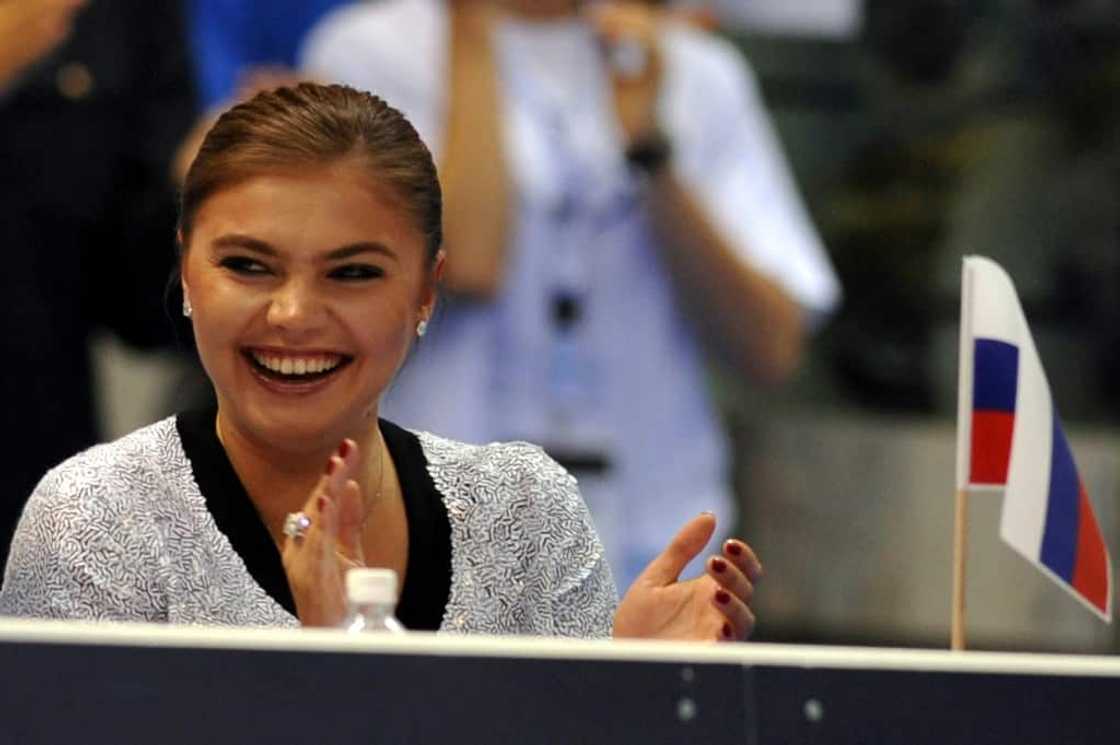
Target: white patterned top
123,532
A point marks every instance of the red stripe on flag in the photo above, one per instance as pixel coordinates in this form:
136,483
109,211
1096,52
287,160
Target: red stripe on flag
991,446
1090,569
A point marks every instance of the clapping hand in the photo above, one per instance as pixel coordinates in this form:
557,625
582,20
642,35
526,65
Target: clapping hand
317,558
714,607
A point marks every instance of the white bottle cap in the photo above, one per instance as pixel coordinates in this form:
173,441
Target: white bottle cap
371,586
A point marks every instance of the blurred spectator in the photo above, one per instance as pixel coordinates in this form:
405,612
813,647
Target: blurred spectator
93,98
240,47
601,221
235,39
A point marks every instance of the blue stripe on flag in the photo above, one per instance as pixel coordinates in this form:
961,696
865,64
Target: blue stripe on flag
996,376
1059,537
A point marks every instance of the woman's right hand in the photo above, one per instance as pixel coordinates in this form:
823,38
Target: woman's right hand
316,563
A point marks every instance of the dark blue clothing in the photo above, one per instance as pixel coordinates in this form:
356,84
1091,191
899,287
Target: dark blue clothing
87,222
230,36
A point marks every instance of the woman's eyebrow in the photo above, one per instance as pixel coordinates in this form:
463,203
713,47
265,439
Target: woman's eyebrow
245,242
248,243
346,252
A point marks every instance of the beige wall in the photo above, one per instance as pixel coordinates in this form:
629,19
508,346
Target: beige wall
853,520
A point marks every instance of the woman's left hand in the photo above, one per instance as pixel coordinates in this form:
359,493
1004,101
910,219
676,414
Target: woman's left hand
714,607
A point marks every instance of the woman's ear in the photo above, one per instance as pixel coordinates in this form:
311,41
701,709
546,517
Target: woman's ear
438,266
182,246
187,309
431,287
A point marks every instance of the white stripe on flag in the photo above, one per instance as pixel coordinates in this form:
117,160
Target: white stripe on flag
1028,476
994,312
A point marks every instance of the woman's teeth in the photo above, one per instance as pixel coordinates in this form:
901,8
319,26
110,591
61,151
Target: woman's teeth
286,365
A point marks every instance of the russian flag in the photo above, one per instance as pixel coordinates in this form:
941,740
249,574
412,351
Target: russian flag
1011,438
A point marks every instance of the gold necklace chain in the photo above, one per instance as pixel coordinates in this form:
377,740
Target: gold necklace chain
380,465
380,475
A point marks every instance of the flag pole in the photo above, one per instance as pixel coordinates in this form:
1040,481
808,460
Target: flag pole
960,551
964,439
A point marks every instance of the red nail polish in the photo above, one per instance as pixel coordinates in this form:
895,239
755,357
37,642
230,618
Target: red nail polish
344,449
330,465
719,566
734,548
727,631
723,597
322,503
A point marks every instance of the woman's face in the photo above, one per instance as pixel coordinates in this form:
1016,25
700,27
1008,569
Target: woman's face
306,289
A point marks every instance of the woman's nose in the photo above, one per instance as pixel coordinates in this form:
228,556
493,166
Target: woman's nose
295,307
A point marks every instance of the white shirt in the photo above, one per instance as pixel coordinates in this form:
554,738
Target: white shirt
123,532
640,395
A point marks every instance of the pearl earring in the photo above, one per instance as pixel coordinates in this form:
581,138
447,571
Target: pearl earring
187,309
422,327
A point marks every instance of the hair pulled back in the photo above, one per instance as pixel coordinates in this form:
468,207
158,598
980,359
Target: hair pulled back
309,125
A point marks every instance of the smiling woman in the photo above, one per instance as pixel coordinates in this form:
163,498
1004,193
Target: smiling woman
288,271
310,239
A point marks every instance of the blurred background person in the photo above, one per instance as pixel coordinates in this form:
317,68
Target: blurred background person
240,47
232,40
94,97
615,198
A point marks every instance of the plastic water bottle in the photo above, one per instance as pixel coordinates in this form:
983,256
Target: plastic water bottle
372,597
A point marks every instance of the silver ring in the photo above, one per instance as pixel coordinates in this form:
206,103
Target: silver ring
296,525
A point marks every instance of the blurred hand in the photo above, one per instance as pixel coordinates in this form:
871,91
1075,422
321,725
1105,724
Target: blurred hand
702,18
29,30
629,35
714,607
474,19
316,564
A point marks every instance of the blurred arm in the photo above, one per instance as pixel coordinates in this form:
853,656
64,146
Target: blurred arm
473,171
141,236
750,317
29,30
753,321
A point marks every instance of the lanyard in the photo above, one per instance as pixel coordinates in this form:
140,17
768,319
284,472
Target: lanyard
575,152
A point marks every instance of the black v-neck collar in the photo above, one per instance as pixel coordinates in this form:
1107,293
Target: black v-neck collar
427,585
